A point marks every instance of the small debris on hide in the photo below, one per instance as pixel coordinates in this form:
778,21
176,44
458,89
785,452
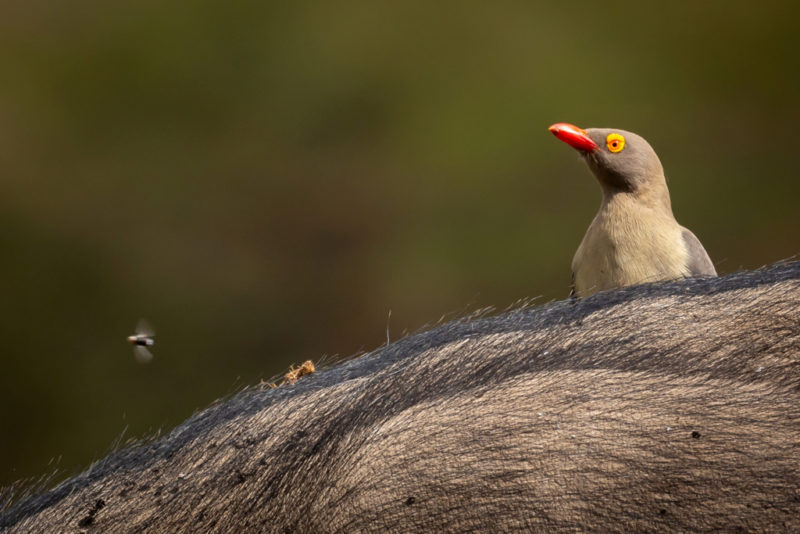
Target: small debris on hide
294,374
264,384
306,368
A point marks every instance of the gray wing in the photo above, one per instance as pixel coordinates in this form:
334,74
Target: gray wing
144,328
141,354
698,262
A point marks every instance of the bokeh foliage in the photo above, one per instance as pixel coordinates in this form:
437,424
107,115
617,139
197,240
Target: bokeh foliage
265,181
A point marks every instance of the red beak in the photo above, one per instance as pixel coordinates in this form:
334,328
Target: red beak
573,136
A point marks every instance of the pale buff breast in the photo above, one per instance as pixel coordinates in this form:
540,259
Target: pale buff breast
629,244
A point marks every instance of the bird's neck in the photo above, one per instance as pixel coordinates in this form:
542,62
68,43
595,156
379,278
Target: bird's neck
652,194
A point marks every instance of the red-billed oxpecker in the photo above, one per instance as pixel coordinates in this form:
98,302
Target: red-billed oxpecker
634,238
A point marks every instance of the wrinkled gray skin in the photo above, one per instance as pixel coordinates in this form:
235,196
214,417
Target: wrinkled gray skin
670,407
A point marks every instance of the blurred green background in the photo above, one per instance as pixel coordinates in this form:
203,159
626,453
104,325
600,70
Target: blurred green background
265,181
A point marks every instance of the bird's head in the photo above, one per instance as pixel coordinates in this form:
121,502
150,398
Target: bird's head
621,161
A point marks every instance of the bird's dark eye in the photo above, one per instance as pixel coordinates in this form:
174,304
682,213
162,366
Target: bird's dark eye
615,142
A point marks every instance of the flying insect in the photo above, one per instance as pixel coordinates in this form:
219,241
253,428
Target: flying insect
141,340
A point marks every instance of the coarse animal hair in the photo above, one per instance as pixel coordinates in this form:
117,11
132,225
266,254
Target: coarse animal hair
661,407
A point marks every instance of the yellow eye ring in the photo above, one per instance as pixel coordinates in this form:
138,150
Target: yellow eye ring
615,142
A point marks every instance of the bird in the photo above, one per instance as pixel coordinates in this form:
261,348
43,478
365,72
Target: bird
634,238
